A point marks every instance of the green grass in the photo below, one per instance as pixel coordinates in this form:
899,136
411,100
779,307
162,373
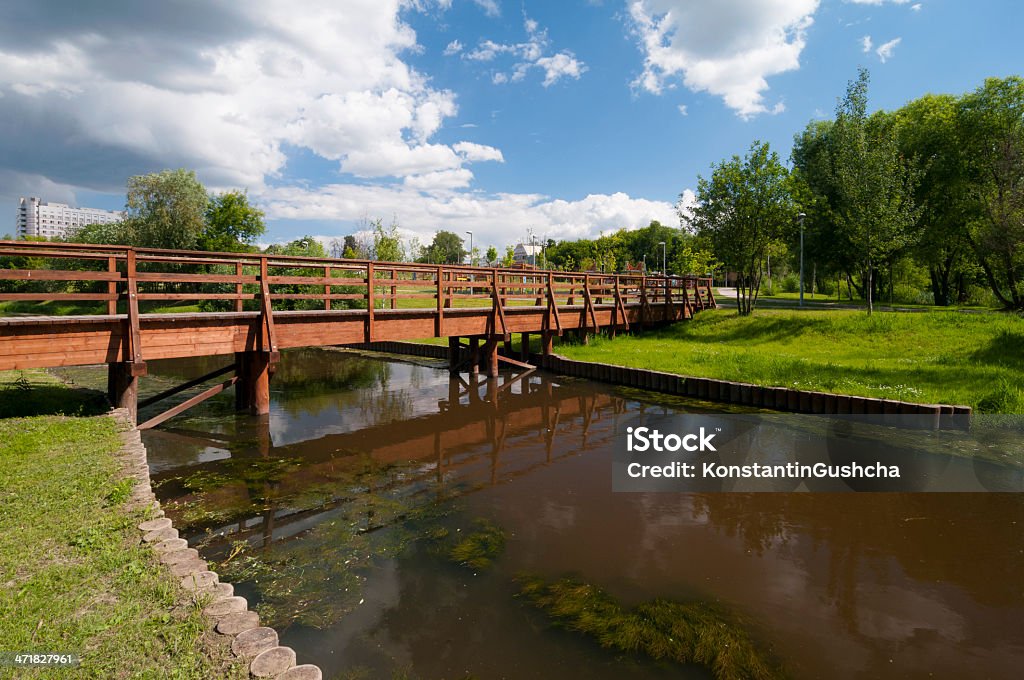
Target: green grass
934,357
35,392
73,576
684,633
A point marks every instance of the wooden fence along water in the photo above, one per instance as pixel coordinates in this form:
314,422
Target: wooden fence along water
252,306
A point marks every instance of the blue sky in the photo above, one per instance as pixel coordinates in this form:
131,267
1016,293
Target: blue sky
564,118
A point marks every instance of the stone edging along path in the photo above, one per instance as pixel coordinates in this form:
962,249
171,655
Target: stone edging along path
709,389
227,614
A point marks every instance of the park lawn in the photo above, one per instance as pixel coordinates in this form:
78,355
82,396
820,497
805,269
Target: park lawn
74,577
928,357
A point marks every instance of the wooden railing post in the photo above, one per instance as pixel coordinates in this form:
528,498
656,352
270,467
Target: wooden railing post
238,288
112,286
371,302
439,326
327,288
135,355
394,289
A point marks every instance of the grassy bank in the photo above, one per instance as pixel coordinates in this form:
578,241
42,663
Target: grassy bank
936,357
75,579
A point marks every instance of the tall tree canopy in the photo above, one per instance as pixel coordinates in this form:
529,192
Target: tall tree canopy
741,210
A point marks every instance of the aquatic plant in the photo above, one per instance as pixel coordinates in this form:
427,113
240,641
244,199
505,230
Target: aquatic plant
479,548
683,632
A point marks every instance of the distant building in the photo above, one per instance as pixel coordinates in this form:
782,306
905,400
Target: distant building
524,254
41,218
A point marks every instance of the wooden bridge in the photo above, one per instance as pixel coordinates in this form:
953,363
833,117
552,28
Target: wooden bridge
254,305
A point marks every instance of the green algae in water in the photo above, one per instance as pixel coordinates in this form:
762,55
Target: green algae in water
479,548
690,632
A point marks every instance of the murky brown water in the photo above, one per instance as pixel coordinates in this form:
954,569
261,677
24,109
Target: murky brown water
329,515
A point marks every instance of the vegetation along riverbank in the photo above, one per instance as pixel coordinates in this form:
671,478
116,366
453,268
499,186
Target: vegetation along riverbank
938,357
75,578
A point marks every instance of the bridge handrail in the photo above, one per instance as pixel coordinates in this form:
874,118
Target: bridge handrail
150,275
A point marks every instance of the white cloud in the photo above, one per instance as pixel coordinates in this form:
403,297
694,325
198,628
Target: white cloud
683,110
727,48
478,152
454,47
223,92
866,43
916,7
877,2
561,65
490,7
528,55
495,219
885,51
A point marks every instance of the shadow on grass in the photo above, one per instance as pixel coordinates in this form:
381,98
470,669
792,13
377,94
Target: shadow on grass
18,400
1006,349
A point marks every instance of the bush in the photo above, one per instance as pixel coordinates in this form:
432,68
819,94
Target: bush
791,283
907,294
824,286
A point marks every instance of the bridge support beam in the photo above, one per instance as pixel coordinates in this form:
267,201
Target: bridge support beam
491,356
524,347
547,342
123,388
252,393
474,356
453,355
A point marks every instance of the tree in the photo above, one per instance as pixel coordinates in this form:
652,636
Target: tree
928,137
232,224
874,202
446,248
992,128
387,244
510,257
740,211
165,210
492,254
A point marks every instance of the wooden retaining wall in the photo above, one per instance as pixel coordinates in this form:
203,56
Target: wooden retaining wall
708,389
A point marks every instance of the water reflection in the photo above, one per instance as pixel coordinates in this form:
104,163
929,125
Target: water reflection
332,514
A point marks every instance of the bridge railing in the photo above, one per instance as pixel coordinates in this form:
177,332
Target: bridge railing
99,279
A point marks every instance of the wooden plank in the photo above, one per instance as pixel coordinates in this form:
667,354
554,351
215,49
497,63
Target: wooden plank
239,304
371,303
327,288
112,285
135,349
267,340
57,275
46,297
167,277
185,405
439,330
515,362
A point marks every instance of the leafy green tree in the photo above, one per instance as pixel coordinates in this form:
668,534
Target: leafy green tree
445,248
874,187
492,254
929,138
387,243
232,223
165,210
992,129
510,257
741,210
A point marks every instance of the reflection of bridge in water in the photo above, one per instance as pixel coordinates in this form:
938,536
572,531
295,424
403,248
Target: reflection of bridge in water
481,435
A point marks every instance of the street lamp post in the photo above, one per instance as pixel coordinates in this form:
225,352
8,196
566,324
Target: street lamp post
533,249
801,217
664,254
471,262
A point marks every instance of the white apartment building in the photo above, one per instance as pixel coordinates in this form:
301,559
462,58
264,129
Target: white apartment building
41,218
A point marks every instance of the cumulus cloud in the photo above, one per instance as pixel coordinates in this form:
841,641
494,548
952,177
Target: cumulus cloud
885,51
866,43
490,7
878,2
727,48
93,97
528,55
497,218
454,47
478,152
